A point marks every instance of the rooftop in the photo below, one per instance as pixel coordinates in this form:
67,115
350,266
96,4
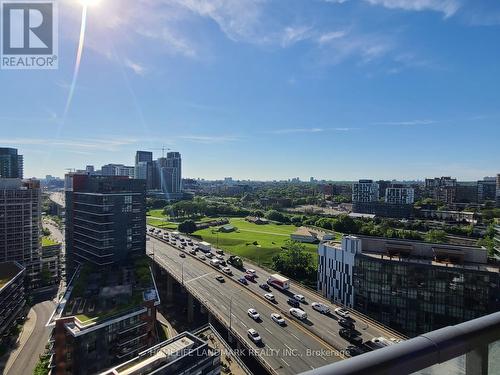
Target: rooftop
161,355
95,296
8,270
48,241
440,262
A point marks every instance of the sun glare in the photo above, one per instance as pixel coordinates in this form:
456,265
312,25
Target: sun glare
89,3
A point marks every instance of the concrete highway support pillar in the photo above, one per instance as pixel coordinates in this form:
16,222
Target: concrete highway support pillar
476,361
170,288
190,308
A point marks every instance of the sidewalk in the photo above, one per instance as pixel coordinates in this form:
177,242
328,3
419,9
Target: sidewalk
27,330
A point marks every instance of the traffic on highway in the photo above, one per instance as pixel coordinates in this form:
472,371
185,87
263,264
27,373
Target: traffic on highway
278,313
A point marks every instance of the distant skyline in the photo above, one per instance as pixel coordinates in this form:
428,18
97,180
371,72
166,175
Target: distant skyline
268,90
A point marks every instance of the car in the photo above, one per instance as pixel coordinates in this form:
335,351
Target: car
222,262
227,271
181,247
182,255
252,272
298,313
192,251
277,318
243,280
254,336
299,297
342,312
209,255
264,286
252,313
269,297
220,279
322,308
350,336
190,243
182,240
220,257
293,302
346,323
249,277
353,351
202,257
218,251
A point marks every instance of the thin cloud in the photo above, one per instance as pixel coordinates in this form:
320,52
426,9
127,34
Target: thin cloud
407,123
447,7
332,35
81,144
135,67
307,130
209,139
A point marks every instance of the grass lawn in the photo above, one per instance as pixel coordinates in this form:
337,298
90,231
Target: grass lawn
161,223
156,213
270,238
47,241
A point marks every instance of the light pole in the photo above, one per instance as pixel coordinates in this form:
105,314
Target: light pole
182,272
231,311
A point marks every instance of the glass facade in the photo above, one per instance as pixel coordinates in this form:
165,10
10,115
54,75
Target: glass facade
414,298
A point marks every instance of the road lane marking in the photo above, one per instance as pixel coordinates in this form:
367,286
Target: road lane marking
285,362
256,297
268,330
290,349
199,277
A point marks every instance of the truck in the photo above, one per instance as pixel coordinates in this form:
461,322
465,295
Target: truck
235,261
205,246
279,282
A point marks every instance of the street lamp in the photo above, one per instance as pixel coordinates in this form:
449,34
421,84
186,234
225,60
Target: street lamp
231,311
182,272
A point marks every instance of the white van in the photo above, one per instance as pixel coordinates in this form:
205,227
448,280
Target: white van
298,313
214,262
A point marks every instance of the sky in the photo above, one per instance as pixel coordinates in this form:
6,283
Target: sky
263,89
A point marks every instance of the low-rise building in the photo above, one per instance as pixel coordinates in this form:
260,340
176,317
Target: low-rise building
104,319
311,235
382,209
12,300
413,287
183,354
452,216
257,220
303,234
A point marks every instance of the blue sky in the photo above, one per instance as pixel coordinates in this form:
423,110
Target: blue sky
262,89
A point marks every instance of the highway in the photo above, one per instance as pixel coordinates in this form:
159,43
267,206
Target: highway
287,350
318,336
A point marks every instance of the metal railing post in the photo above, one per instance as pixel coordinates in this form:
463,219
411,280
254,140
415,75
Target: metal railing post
476,361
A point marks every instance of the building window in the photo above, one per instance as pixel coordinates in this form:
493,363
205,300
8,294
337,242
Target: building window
128,199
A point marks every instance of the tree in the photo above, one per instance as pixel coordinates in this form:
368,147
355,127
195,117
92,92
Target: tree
46,232
436,236
187,226
276,216
295,262
258,213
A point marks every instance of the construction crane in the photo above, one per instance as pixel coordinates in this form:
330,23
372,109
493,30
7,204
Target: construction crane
160,149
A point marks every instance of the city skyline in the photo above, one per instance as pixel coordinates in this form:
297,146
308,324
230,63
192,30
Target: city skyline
337,89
